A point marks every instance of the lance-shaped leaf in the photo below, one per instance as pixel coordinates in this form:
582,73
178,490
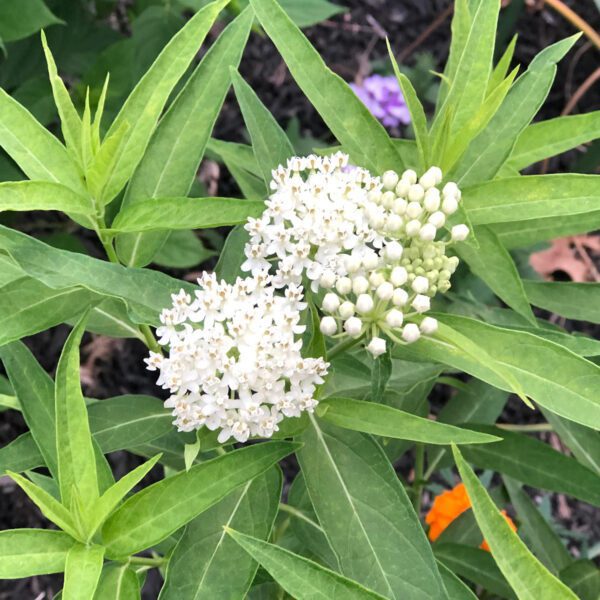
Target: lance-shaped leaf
554,136
583,577
74,445
37,152
301,578
143,107
30,552
159,214
199,564
456,589
170,163
530,461
490,149
359,132
366,514
82,571
526,575
270,144
379,419
553,376
160,509
531,197
501,68
42,195
118,582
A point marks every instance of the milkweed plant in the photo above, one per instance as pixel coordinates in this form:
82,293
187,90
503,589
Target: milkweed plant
352,281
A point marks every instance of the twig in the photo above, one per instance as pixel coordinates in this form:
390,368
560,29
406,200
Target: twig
573,18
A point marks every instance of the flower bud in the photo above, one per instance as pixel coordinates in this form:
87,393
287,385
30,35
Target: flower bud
429,325
359,284
388,199
420,284
400,297
344,285
398,276
331,302
394,222
413,227
449,205
346,309
402,188
409,176
451,189
414,210
421,303
375,196
370,261
328,326
432,200
385,291
364,304
376,279
411,333
389,180
377,346
428,232
394,318
416,193
399,206
327,280
459,233
393,251
353,326
431,177
352,264
437,219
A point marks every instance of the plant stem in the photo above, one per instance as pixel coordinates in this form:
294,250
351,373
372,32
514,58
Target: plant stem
149,339
418,482
342,346
147,561
298,514
576,20
525,428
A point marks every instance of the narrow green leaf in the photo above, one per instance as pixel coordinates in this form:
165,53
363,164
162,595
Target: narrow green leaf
82,571
546,545
145,104
86,143
417,114
501,69
300,577
30,552
98,116
583,577
579,301
362,136
242,155
531,197
310,12
75,450
380,376
232,256
21,18
170,163
554,136
37,152
456,589
554,377
366,514
491,148
42,195
533,462
492,263
69,118
270,143
199,564
118,582
526,575
159,214
379,419
160,509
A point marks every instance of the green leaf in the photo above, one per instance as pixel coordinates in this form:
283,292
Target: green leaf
554,377
316,346
82,571
118,582
501,69
379,419
182,250
75,450
456,589
270,143
160,214
69,118
241,155
30,552
554,136
362,136
546,545
145,292
583,577
490,149
417,114
366,514
229,265
530,461
199,564
300,577
526,575
21,18
531,197
492,263
310,12
169,165
50,507
28,307
579,301
145,104
160,509
380,376
42,195
35,150
475,565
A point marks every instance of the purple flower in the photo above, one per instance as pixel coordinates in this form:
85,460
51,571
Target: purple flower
383,97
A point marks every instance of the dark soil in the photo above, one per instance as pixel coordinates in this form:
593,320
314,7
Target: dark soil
348,43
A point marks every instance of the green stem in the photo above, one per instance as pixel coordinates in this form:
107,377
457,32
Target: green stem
149,339
342,346
418,482
149,562
526,428
298,514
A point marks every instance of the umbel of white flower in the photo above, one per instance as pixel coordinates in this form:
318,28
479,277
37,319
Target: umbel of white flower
235,362
377,245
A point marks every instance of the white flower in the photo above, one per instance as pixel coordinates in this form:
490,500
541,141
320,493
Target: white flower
459,233
235,362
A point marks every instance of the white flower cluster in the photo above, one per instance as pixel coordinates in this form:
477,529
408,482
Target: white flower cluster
242,371
371,241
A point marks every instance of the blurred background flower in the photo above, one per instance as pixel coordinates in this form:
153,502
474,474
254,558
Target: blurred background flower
381,94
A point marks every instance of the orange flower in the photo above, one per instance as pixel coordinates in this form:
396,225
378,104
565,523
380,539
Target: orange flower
448,506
